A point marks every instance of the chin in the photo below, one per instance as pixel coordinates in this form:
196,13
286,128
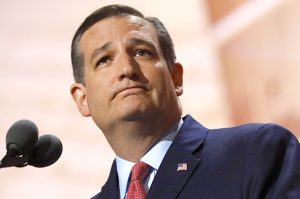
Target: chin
135,113
136,108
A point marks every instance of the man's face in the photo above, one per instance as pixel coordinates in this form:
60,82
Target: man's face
126,76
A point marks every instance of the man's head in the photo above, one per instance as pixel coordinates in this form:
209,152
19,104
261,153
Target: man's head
124,66
165,41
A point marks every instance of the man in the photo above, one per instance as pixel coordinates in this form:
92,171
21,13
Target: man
127,80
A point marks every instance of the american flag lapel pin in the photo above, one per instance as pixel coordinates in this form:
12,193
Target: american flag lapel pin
182,167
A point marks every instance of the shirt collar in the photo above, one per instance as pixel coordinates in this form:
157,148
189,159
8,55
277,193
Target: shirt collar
156,154
153,157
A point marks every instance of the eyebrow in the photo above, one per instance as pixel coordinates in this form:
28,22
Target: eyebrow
99,50
137,41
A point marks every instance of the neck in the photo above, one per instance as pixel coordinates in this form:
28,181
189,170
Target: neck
130,140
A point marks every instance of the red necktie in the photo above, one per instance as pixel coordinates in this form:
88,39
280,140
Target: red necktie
136,188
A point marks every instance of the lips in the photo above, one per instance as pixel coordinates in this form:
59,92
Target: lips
129,90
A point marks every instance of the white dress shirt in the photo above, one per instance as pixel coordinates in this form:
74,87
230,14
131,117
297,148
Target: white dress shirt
153,158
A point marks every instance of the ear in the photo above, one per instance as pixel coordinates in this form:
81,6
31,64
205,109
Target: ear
176,74
78,92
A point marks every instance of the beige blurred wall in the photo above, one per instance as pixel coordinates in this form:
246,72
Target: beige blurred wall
35,76
260,60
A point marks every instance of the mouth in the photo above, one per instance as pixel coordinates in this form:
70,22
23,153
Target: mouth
130,90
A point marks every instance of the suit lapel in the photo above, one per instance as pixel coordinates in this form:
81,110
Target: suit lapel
111,187
168,182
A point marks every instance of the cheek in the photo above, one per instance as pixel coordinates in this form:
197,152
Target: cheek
163,74
162,83
160,65
96,93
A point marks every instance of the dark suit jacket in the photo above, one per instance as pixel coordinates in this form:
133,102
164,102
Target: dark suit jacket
253,161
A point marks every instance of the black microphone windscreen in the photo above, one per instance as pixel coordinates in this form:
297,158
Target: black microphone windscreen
47,151
21,137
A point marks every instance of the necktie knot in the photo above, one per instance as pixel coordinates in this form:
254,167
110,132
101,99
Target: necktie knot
136,189
139,171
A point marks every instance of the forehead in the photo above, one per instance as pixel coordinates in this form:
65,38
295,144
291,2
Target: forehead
118,29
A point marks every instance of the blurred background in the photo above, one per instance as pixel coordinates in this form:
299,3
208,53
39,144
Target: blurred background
241,61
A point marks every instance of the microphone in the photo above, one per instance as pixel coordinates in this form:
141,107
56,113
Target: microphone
25,148
21,137
47,151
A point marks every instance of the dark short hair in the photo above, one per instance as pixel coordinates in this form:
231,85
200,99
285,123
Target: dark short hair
164,39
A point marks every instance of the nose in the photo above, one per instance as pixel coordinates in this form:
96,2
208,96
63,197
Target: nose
129,68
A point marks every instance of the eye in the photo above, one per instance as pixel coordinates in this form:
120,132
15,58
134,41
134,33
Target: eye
143,53
103,60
